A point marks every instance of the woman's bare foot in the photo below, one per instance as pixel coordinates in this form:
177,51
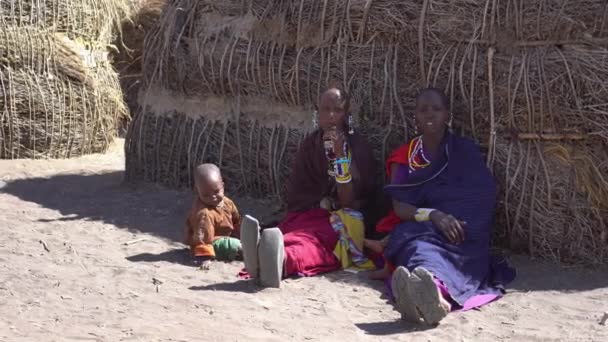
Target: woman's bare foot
374,245
379,274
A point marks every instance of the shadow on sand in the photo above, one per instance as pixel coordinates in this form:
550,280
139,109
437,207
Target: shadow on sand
244,286
161,212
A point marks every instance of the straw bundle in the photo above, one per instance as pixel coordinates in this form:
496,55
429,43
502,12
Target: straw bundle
523,77
91,20
128,56
59,95
41,51
54,102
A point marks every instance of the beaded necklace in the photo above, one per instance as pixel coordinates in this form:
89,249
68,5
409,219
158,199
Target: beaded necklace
416,157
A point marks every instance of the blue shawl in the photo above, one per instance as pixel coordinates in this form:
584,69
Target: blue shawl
458,183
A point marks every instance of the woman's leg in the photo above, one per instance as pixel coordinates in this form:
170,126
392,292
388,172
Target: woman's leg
271,257
402,291
306,254
250,238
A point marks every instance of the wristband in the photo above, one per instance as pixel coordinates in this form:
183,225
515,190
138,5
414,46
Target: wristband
342,167
344,179
423,214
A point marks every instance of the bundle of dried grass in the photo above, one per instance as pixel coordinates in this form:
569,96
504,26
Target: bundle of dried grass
42,52
522,71
59,94
50,115
93,21
127,59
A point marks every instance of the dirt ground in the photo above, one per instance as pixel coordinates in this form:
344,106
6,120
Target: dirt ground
85,257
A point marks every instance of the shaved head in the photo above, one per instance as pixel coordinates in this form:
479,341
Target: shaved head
209,184
336,95
207,172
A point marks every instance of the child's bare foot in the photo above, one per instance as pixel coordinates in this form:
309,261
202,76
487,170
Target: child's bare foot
374,245
379,274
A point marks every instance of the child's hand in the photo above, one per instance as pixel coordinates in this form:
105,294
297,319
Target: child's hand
206,265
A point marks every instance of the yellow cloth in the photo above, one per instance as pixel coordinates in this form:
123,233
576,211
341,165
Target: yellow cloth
349,249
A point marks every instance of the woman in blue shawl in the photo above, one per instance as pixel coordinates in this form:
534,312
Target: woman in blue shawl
445,197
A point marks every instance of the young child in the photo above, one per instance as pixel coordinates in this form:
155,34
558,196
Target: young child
213,224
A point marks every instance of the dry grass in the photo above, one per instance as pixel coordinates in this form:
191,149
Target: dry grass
47,116
93,21
127,59
59,95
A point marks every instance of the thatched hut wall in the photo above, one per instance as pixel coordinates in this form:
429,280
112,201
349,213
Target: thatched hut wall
59,95
526,79
129,43
249,138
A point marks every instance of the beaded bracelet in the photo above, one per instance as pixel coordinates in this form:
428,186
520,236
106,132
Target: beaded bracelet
345,179
423,214
342,167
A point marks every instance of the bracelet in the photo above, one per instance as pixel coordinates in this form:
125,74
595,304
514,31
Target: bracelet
423,214
345,179
342,168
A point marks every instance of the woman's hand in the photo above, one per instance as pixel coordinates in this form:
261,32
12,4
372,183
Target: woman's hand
337,139
451,227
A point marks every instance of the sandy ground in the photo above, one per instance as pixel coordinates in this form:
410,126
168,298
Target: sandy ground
67,274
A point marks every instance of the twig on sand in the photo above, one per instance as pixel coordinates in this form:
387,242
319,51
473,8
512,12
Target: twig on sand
80,260
157,283
604,318
131,242
45,246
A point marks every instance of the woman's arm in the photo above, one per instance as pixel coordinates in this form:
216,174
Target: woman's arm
356,194
347,197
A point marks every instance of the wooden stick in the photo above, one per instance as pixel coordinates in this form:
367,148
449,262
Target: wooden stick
421,41
133,241
45,246
604,318
492,138
550,136
536,43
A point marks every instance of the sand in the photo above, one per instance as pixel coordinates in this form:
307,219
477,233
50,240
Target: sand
84,257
